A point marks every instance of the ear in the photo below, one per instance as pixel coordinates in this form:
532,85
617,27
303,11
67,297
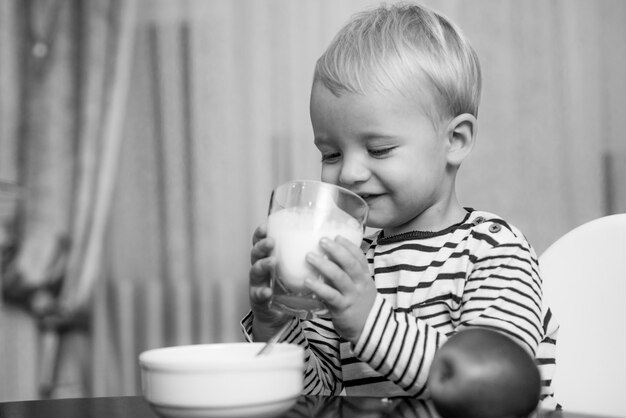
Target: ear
461,135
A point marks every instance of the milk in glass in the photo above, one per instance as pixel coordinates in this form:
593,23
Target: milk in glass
297,231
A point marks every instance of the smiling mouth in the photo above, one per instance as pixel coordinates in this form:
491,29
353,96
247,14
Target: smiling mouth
369,197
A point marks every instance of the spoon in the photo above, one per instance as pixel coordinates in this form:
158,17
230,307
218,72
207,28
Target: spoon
270,343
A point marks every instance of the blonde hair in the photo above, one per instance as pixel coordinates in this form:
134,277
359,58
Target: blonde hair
405,48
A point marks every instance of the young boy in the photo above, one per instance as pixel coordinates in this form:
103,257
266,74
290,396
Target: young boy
393,107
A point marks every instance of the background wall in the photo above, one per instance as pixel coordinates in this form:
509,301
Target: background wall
217,115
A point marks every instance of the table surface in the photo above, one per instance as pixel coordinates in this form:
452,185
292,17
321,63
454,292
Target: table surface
306,406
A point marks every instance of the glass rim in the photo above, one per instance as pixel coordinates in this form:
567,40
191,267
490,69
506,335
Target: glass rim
325,185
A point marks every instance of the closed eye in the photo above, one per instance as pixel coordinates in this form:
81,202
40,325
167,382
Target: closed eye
380,152
331,157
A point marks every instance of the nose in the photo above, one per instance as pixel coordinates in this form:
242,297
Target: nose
353,171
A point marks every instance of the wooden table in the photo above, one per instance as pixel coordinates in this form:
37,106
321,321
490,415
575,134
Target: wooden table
306,406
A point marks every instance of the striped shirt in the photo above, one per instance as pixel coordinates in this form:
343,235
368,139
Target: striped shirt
481,272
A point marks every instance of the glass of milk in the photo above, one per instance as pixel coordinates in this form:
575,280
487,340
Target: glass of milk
301,213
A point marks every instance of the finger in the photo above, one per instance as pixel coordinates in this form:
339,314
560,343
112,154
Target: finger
355,250
331,297
333,274
261,271
260,295
259,233
261,249
348,256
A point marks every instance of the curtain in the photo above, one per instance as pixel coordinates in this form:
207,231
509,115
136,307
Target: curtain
214,114
74,61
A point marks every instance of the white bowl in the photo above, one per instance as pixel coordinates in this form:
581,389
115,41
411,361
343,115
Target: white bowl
222,380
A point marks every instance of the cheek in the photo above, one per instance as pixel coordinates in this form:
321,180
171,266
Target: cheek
330,174
404,177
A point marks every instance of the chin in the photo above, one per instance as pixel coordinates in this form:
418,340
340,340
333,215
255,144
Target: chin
373,223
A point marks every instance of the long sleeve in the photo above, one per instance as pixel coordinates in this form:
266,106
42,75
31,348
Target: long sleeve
398,346
504,292
480,274
322,374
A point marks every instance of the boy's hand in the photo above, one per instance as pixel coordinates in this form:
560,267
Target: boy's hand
266,321
348,290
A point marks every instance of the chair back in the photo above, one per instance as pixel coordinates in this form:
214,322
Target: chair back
584,276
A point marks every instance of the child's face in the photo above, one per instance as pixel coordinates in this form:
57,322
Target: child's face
384,148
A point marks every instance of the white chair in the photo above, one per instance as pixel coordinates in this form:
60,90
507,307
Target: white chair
584,276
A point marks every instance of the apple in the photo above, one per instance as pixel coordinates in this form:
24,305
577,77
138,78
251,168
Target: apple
480,373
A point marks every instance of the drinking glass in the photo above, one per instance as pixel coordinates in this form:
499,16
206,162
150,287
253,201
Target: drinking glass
301,213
